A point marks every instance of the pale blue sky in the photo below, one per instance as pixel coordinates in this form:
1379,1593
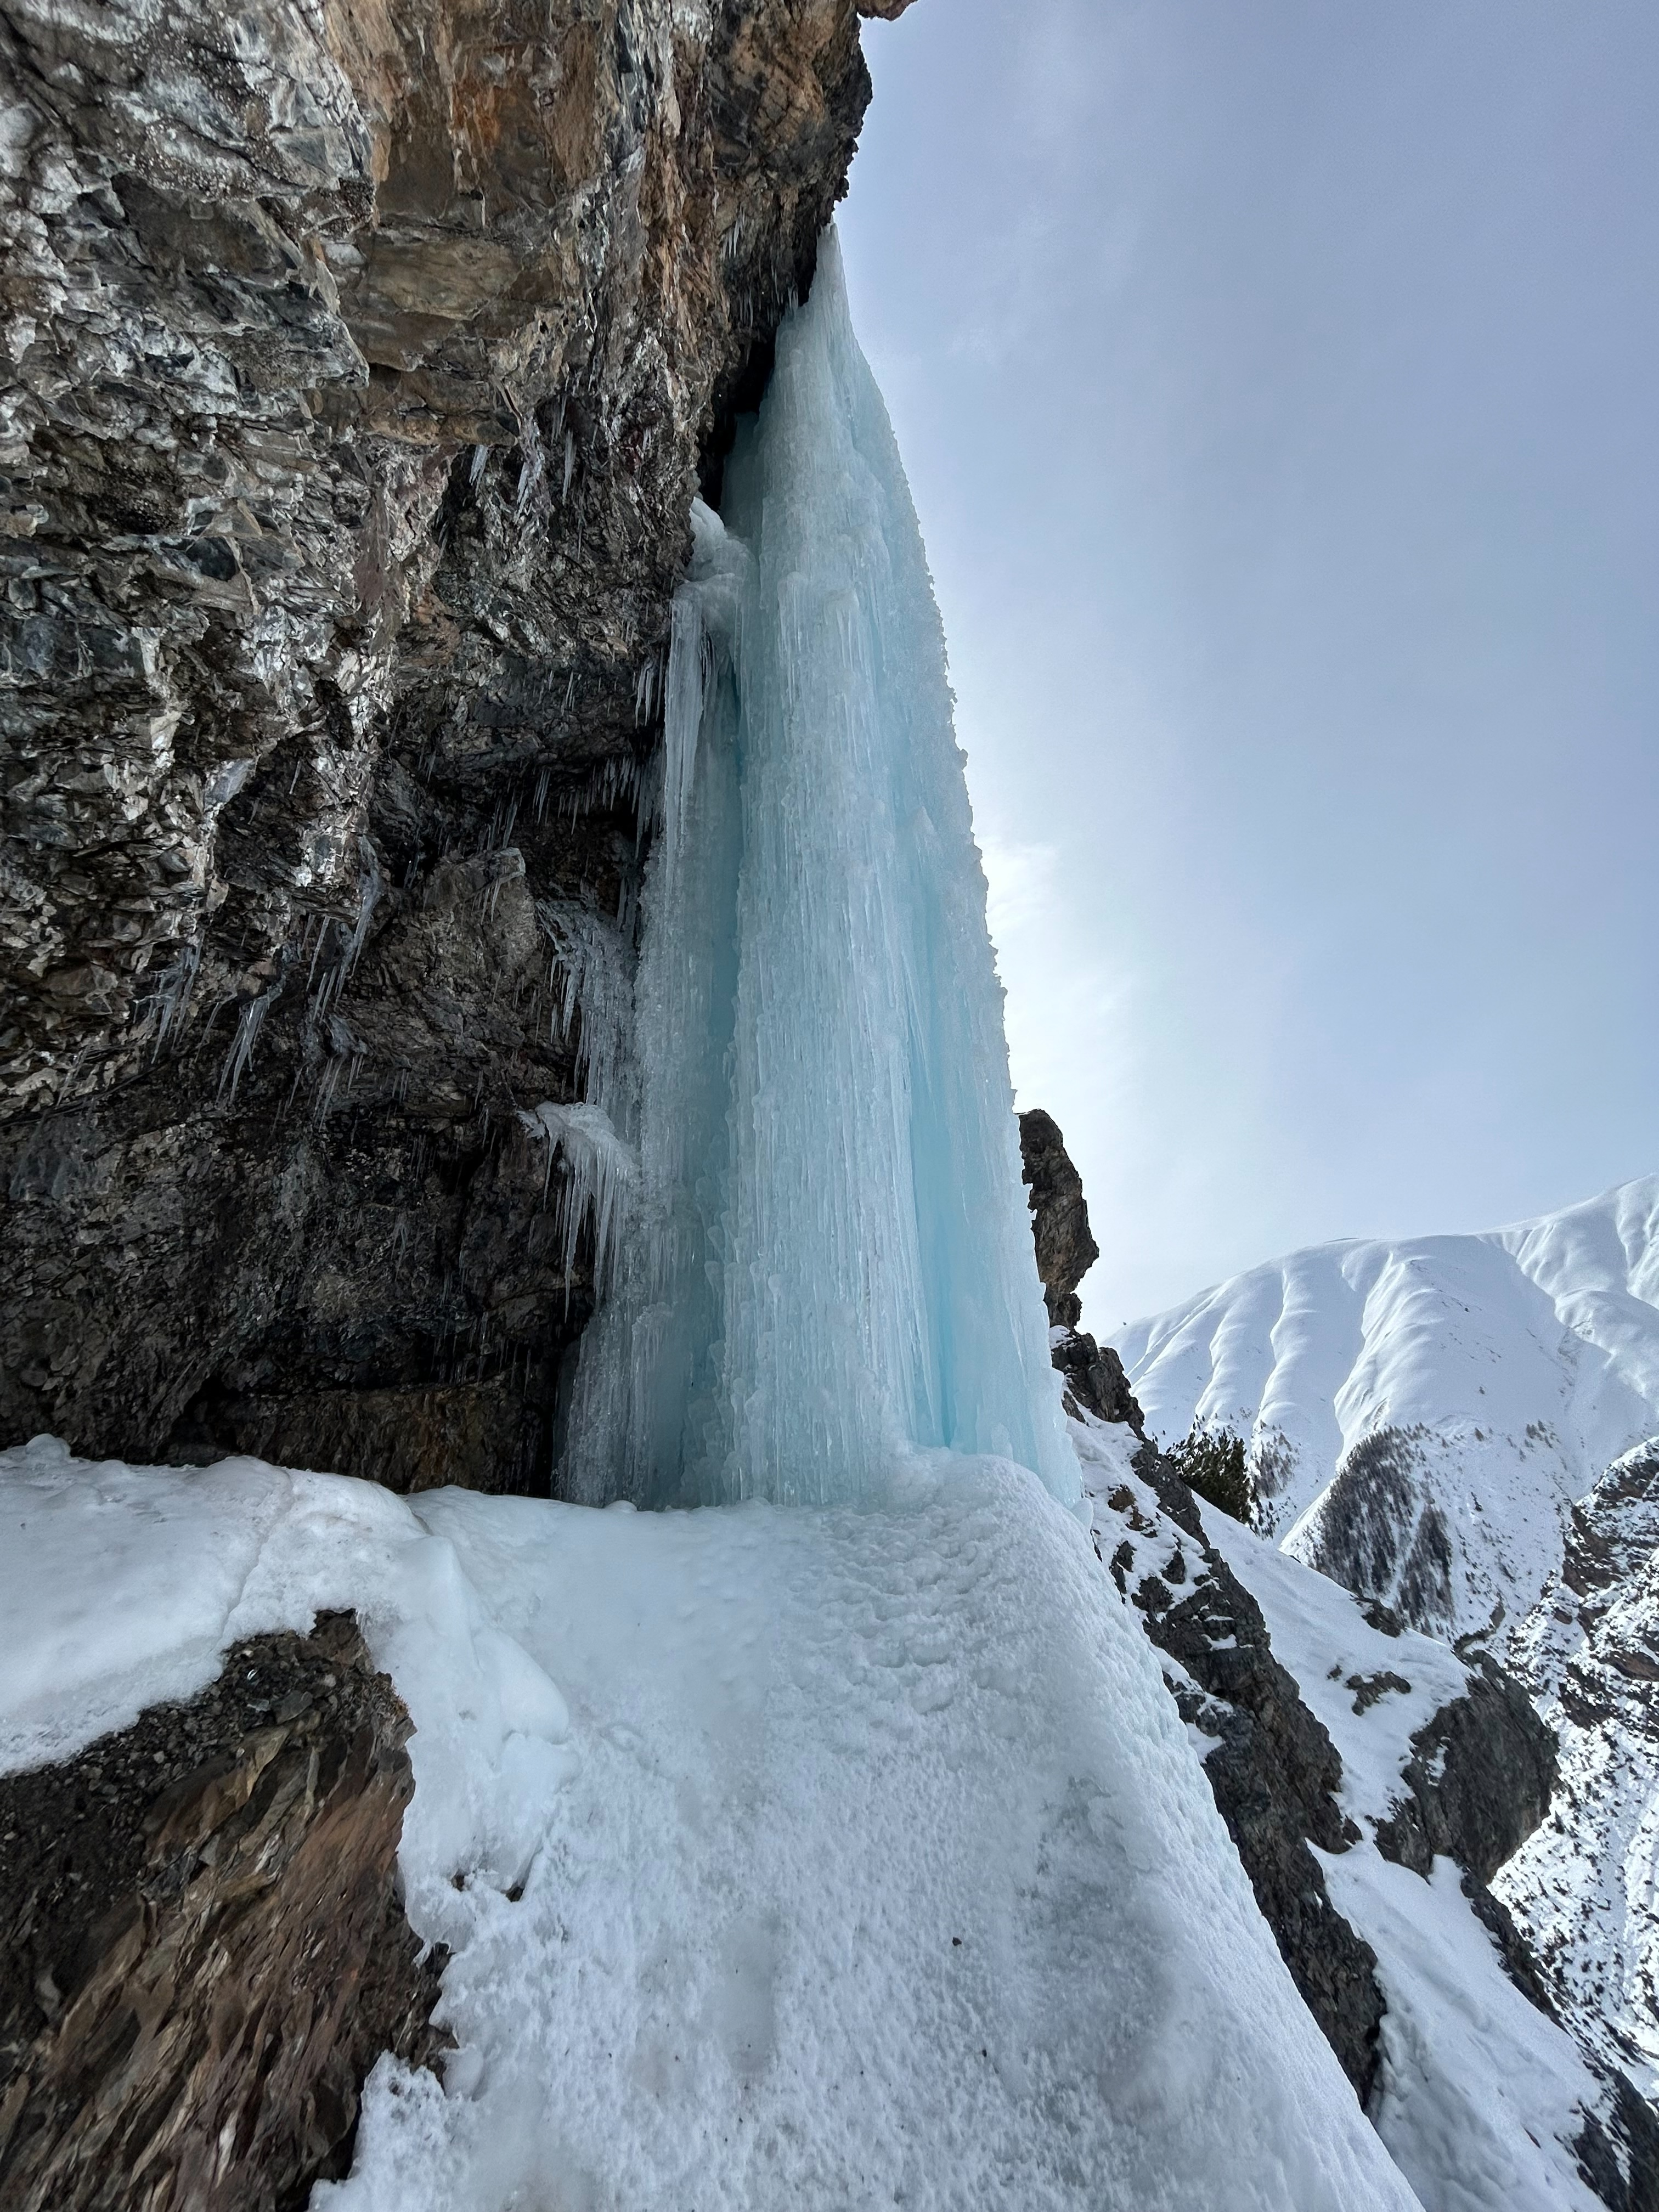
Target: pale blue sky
1278,383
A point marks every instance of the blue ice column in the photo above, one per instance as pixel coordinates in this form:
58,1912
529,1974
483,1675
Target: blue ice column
830,1259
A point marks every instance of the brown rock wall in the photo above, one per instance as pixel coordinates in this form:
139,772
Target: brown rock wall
203,1950
358,362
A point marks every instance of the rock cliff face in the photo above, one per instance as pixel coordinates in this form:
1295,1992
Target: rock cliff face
360,359
1472,1782
1274,1770
1095,1381
202,1947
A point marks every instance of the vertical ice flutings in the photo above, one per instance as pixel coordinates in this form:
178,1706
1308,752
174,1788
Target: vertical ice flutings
827,1261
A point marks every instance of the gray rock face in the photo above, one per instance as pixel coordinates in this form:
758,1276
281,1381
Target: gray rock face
361,360
203,1950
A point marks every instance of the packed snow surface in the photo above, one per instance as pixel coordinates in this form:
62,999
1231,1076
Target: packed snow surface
829,1257
863,1858
1469,1388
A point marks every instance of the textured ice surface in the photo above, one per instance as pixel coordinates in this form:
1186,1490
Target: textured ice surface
831,1261
1512,1367
864,1861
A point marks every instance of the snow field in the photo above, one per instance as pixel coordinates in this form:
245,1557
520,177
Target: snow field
1482,2095
863,1860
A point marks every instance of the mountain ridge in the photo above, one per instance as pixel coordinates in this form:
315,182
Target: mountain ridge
1383,1385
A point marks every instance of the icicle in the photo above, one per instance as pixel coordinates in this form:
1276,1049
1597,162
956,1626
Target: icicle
369,897
592,975
170,1001
600,1168
249,1025
705,611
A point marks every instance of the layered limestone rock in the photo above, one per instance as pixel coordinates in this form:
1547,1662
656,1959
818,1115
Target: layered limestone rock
203,1950
361,360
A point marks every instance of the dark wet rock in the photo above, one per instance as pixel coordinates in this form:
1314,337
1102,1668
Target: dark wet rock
1368,1689
363,359
1095,1381
1618,2150
202,1948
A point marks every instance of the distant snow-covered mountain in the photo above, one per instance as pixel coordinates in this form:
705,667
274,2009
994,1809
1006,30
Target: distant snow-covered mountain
1422,1415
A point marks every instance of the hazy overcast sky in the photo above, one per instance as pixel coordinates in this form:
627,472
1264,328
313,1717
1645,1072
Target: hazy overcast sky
1279,381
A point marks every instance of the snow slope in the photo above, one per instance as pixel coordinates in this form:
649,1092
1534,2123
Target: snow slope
863,1856
1421,1414
1482,2098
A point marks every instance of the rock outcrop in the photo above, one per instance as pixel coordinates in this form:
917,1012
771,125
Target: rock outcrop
1095,1381
203,1949
1060,1216
1476,1779
1479,1779
1274,1770
362,358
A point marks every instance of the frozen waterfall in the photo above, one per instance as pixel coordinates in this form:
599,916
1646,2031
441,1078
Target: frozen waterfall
827,1262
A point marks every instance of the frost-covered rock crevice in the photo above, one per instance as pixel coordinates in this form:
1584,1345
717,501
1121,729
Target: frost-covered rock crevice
1584,1884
